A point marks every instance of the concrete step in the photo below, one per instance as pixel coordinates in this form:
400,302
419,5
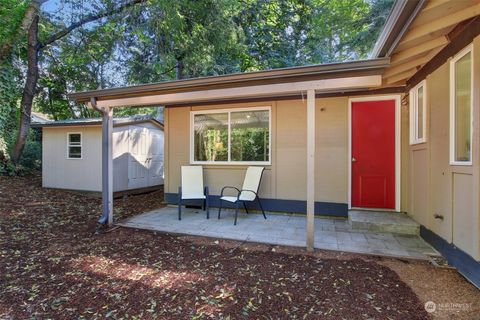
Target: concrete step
383,221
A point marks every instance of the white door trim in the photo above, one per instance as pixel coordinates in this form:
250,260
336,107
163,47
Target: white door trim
398,133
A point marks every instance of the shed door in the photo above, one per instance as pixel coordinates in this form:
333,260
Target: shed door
137,162
373,154
155,162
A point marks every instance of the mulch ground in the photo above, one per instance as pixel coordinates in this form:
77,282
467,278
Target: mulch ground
53,266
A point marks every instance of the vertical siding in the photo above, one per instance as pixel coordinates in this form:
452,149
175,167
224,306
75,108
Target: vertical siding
75,174
120,140
86,173
332,161
452,191
285,178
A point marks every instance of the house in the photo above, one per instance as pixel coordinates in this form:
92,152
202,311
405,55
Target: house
72,153
398,132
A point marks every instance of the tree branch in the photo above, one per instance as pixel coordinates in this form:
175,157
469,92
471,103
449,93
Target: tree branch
89,18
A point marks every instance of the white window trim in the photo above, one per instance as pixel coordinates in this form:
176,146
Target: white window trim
458,56
229,111
414,114
80,145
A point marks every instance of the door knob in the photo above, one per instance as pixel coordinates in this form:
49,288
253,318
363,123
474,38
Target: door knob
354,159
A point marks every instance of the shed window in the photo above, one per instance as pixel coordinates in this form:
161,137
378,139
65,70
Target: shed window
231,136
418,120
74,146
461,81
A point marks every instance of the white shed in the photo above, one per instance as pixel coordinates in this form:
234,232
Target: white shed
72,153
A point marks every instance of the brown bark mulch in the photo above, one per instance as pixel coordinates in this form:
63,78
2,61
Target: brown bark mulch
52,266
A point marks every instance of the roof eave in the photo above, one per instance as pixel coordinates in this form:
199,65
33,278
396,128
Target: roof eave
293,74
403,13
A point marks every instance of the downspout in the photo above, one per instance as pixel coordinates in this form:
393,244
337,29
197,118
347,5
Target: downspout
106,219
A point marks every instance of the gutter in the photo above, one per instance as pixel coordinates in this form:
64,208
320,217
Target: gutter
293,74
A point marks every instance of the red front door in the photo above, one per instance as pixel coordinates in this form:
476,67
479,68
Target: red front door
373,154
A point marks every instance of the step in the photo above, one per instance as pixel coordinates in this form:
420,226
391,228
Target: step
383,221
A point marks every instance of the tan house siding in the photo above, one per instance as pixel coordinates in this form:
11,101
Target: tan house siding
438,188
286,177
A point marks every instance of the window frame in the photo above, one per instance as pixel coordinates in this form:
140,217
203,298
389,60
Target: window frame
74,145
414,107
458,56
229,111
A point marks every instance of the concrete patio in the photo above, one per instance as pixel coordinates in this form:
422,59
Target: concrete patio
282,229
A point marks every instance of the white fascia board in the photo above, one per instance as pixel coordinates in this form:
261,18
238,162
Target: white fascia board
247,92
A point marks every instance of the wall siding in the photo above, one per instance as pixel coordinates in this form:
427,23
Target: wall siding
285,178
85,174
75,174
452,191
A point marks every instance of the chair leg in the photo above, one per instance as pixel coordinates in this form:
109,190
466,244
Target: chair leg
219,208
245,206
260,204
180,203
236,213
180,209
207,203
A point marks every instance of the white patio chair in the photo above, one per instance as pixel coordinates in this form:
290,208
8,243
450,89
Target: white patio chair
248,193
192,188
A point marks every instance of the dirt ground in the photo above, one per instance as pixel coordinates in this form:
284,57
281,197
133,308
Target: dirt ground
53,266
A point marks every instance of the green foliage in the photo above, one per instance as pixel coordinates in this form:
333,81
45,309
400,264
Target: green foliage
250,144
276,33
166,40
11,15
186,39
9,98
32,153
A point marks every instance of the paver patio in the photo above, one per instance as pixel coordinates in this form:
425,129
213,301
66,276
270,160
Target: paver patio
282,229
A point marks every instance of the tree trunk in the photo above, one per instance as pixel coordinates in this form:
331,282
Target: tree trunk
179,69
50,104
34,47
29,90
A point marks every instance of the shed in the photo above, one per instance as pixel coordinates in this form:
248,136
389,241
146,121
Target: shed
72,153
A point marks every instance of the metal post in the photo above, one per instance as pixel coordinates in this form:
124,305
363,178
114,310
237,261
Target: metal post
310,168
107,168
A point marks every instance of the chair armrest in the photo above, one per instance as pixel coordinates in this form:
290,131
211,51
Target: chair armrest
246,190
229,187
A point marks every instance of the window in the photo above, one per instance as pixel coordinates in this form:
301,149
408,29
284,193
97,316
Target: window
74,147
461,90
418,108
231,136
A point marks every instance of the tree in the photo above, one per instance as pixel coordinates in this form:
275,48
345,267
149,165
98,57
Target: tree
190,39
164,40
35,47
276,33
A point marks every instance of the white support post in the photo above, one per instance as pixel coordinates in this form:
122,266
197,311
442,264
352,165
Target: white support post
107,167
310,168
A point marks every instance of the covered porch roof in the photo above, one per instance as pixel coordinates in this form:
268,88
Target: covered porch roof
298,81
332,77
